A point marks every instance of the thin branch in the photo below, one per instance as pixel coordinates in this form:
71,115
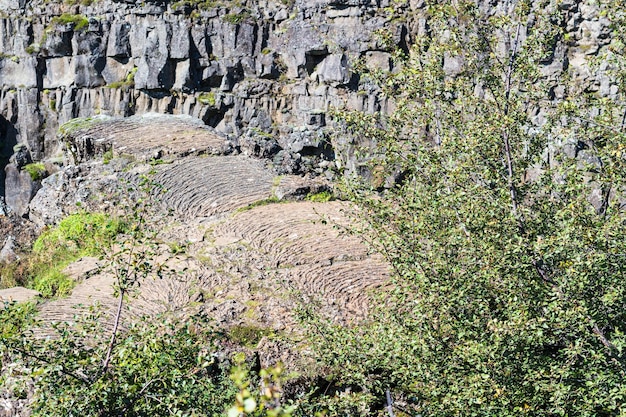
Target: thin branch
107,360
610,128
505,134
604,208
598,332
139,394
162,403
389,404
129,270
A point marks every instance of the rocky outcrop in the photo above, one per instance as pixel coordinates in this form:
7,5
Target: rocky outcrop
18,294
242,239
263,69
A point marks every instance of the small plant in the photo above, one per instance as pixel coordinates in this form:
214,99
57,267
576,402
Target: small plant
53,283
81,2
259,203
18,147
33,48
159,161
177,248
209,4
237,18
107,157
12,273
207,98
75,125
37,171
189,5
321,197
78,235
128,82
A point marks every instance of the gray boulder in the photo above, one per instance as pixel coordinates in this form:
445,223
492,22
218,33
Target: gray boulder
18,295
119,40
154,70
20,188
7,252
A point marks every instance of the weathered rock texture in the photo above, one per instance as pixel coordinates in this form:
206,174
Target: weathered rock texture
245,253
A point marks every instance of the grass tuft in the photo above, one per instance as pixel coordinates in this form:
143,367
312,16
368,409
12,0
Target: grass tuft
37,171
321,197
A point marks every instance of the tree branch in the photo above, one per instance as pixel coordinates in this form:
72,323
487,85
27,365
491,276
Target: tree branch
107,360
506,134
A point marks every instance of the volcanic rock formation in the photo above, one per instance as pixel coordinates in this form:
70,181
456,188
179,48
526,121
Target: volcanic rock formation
265,73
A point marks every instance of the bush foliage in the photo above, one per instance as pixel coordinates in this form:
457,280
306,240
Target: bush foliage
37,171
505,227
107,362
160,366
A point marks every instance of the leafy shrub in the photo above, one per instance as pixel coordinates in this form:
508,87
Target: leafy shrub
508,291
260,203
159,366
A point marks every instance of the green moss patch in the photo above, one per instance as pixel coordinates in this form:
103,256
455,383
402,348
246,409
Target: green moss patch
321,197
37,171
78,21
79,235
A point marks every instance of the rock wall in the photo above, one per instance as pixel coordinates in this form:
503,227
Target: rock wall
268,68
263,72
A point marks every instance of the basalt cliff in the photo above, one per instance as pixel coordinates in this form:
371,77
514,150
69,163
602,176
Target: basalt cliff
264,74
261,73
